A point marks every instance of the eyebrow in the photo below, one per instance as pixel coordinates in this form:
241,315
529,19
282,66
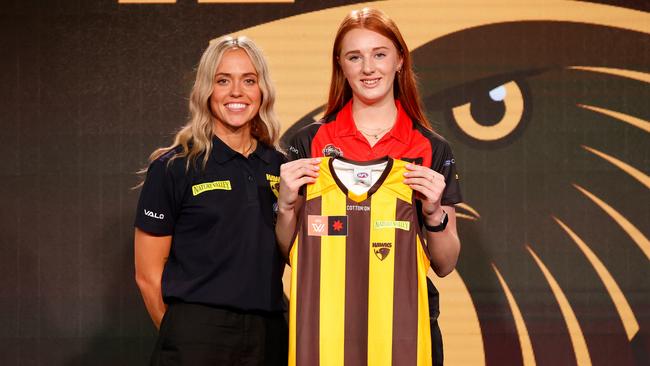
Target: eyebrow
374,49
229,75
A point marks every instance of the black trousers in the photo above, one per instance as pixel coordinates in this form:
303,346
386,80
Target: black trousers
196,335
436,343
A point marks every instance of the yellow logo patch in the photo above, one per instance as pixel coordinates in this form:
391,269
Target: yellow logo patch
274,182
210,186
388,224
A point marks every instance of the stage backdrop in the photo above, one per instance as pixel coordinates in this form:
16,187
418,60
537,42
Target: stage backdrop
545,103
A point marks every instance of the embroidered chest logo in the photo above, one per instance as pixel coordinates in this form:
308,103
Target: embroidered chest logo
332,151
274,182
327,225
210,186
381,250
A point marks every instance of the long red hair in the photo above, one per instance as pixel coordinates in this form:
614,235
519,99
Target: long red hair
404,89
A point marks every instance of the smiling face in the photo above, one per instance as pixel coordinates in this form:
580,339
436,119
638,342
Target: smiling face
236,95
369,62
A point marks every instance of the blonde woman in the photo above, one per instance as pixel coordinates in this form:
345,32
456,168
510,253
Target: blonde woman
206,258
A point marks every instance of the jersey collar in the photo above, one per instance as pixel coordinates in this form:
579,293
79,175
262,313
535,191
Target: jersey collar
345,123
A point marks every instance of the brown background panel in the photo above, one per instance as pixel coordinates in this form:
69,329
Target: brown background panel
89,88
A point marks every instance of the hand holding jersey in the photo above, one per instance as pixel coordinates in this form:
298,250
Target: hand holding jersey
429,186
293,175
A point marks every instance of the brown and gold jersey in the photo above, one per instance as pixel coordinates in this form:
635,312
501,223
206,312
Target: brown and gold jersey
358,286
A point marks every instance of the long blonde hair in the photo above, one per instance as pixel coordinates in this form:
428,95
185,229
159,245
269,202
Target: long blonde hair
195,138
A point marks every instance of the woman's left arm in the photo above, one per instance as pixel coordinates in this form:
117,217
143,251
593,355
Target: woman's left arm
444,245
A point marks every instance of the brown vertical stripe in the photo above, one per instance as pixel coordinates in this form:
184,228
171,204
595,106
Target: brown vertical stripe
356,284
405,304
308,302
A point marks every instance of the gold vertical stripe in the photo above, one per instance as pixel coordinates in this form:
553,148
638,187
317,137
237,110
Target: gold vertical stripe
627,168
636,75
631,230
424,324
634,121
527,353
293,259
622,306
380,283
575,332
332,286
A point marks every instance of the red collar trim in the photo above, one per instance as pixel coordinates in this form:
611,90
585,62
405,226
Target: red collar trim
401,131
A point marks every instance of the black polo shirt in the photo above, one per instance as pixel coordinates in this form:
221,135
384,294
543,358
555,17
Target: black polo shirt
221,219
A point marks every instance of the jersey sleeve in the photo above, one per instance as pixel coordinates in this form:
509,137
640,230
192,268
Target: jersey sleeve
443,162
298,145
157,206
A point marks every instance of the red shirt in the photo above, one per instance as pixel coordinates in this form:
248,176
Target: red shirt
407,140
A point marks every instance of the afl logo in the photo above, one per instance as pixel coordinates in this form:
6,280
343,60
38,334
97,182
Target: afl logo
362,175
332,151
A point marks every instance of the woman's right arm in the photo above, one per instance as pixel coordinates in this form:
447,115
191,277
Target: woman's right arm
151,253
293,175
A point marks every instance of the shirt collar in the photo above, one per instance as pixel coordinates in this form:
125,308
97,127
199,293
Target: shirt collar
345,123
221,152
403,126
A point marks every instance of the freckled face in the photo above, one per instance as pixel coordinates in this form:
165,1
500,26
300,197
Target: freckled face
369,62
236,95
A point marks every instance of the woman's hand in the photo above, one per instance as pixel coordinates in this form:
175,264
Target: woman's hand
294,175
428,185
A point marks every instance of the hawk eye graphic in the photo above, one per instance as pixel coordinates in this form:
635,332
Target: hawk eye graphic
491,113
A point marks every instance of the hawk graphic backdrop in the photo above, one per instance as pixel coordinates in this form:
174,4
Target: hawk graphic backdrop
545,104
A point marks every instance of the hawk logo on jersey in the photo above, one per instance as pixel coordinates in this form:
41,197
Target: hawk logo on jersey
332,151
327,225
381,250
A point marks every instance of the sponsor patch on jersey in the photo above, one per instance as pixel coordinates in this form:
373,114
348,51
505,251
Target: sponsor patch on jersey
274,182
327,225
358,208
381,250
210,186
391,224
332,151
154,215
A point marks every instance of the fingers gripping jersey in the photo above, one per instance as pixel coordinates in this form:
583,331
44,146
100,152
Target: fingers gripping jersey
358,287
